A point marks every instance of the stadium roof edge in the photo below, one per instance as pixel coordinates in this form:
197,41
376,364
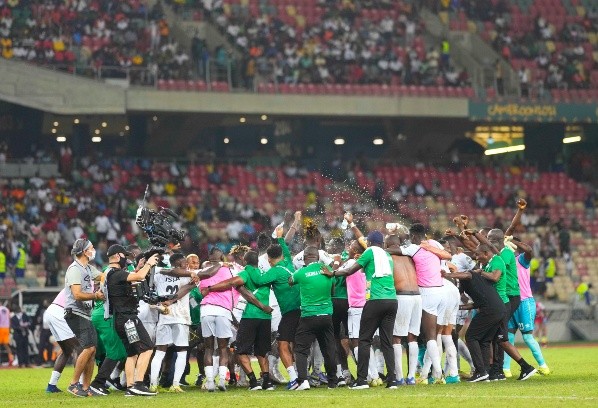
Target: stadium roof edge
150,100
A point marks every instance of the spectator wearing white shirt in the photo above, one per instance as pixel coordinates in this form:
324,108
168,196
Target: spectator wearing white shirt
102,226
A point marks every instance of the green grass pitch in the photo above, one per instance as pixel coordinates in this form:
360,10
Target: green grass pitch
573,383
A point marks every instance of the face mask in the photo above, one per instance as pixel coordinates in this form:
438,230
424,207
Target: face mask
91,255
122,262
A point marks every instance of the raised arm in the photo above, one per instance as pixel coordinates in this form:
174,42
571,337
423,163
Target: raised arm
483,240
286,253
461,222
527,250
293,229
358,235
521,205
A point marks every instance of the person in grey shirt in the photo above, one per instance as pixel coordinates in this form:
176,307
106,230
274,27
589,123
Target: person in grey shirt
79,290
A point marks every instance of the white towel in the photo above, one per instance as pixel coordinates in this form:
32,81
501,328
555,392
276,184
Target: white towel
381,262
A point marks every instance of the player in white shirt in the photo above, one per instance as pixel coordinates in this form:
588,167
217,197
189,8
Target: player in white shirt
464,263
325,259
149,314
173,327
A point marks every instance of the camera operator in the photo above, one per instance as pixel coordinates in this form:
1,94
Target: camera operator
79,292
124,303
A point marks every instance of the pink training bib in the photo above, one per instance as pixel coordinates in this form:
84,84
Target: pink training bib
524,281
356,289
224,299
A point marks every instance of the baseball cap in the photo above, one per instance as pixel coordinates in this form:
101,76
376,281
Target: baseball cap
375,237
79,246
117,249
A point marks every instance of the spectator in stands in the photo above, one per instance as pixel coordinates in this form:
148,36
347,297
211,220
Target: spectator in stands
379,193
583,291
445,54
3,264
35,250
451,77
51,263
20,261
481,200
20,324
524,81
419,189
564,240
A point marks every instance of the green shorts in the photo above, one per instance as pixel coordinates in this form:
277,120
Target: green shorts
109,344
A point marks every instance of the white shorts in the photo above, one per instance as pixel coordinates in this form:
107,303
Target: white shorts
409,315
54,319
172,333
216,326
150,328
462,317
449,306
354,322
276,316
432,299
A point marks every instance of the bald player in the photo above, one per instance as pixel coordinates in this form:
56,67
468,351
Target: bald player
409,312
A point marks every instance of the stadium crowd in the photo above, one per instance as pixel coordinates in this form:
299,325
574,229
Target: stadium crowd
95,38
551,46
343,45
42,218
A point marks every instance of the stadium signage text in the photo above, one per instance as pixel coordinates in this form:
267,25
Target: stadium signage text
515,109
533,112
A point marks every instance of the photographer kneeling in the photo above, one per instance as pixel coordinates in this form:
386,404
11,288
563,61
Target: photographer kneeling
123,303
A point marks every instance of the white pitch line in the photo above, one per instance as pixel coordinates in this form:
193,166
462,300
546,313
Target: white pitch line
367,395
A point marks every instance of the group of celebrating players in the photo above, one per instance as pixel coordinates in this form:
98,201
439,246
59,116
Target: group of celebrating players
365,300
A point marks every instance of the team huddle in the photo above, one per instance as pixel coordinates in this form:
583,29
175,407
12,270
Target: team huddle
365,299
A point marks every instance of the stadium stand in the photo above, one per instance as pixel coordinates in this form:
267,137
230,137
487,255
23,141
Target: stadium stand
318,47
98,38
552,44
433,196
335,47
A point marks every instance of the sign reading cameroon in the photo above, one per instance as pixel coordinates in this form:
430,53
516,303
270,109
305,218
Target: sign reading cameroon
533,112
